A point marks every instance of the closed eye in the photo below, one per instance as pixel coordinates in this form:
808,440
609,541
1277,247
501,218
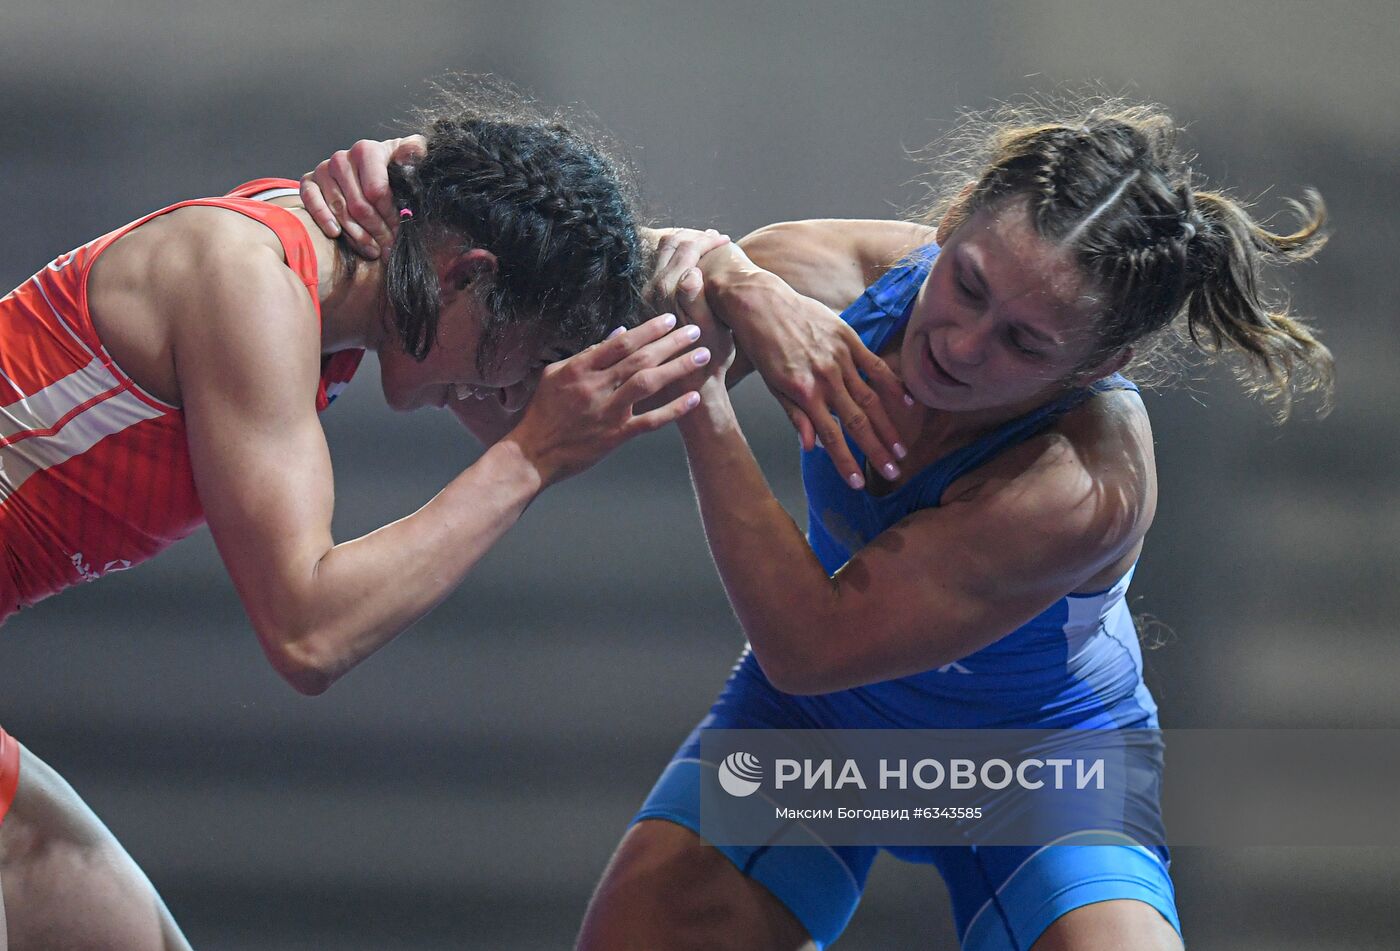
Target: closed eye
1019,345
967,292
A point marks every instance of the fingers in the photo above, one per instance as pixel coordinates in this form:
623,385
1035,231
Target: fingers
686,244
890,387
886,433
662,416
408,150
677,252
349,192
316,205
692,304
618,346
355,211
857,415
665,250
369,198
688,289
648,380
801,422
323,195
828,430
654,367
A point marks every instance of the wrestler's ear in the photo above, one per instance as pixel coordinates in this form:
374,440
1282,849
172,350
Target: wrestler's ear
461,270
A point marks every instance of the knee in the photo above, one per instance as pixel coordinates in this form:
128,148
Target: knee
667,887
656,888
664,862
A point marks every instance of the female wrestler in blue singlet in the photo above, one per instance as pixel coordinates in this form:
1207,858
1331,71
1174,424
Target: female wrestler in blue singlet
981,581
976,578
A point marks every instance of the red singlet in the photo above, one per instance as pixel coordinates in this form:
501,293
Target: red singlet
94,472
9,772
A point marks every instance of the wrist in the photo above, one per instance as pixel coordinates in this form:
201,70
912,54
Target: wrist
743,298
715,412
518,463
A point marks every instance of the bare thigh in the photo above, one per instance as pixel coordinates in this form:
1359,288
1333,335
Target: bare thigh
667,888
67,884
1123,924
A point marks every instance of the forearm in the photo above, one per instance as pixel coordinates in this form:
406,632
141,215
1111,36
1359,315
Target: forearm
781,594
362,593
744,297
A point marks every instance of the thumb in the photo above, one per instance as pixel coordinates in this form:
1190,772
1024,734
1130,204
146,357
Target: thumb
409,148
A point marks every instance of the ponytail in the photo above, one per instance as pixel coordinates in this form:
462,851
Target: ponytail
410,280
1226,309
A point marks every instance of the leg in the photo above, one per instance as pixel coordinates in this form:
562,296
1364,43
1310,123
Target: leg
1110,926
1062,897
668,888
68,885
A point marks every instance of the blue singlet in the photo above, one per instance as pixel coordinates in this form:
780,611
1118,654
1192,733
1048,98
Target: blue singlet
1076,665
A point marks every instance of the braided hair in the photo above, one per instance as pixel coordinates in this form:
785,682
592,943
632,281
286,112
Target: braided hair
554,209
1111,186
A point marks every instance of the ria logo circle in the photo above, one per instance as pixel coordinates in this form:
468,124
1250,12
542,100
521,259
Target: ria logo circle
740,774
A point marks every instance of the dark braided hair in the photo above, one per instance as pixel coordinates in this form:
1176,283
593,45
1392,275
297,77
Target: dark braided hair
547,201
1111,186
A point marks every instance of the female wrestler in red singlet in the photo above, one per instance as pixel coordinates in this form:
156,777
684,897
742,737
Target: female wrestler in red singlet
170,373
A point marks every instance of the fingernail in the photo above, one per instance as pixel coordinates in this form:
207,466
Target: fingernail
692,401
899,451
692,332
908,400
616,332
701,357
669,321
890,470
855,480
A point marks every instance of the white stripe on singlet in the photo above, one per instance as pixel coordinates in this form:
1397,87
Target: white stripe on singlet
271,193
45,410
33,454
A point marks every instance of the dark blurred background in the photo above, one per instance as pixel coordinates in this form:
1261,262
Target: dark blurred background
465,788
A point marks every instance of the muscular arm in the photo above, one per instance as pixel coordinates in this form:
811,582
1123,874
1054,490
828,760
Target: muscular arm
943,583
248,368
264,476
830,260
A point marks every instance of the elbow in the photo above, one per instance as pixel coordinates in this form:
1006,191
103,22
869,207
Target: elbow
800,675
308,682
300,661
799,650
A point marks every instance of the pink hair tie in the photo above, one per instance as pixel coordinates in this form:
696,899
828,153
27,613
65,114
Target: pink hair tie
405,213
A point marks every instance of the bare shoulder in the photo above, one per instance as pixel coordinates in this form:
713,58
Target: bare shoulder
195,276
833,259
1091,479
1112,436
242,317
